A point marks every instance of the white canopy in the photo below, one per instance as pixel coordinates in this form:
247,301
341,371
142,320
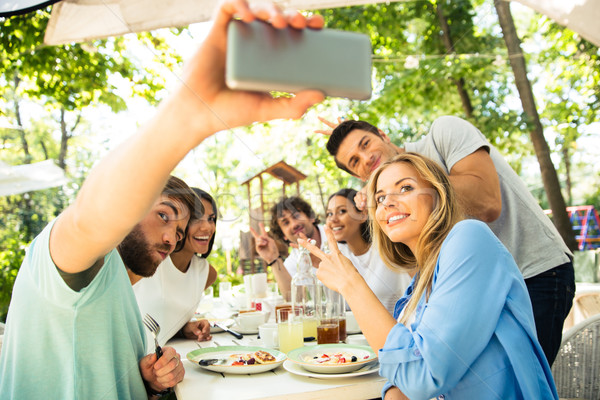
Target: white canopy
580,16
27,177
83,20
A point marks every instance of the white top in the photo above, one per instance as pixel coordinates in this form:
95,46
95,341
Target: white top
171,296
387,285
291,262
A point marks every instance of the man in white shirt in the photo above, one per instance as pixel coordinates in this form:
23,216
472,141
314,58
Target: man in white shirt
291,218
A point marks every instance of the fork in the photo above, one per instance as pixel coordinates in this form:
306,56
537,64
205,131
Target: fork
154,328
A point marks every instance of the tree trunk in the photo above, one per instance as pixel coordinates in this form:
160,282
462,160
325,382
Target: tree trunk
542,151
569,186
460,83
64,141
22,133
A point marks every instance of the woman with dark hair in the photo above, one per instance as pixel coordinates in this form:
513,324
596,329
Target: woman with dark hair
350,227
464,328
173,293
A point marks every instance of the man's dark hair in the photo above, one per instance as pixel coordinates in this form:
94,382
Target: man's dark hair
293,205
365,227
178,190
205,196
339,134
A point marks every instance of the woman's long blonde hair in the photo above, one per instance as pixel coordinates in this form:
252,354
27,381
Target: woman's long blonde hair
445,214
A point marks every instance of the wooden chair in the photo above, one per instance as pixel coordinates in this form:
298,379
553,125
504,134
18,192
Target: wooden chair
576,369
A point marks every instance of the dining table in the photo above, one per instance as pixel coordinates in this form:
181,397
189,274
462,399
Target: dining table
278,383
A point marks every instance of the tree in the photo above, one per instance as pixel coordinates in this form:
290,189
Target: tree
542,150
58,83
430,61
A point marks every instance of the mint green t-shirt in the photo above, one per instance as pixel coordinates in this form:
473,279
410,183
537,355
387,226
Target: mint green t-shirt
63,344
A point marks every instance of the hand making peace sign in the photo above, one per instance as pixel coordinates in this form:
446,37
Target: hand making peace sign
336,271
265,244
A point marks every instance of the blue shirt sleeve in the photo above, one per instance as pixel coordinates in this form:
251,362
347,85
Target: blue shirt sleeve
458,320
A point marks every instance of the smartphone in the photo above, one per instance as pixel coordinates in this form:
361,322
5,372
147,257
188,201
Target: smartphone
262,58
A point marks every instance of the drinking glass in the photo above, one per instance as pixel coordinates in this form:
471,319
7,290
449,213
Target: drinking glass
289,329
328,329
341,314
224,290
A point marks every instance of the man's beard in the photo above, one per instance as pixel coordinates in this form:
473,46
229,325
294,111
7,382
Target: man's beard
136,253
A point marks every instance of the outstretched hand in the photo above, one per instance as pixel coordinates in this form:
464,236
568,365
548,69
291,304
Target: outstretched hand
336,271
330,124
205,99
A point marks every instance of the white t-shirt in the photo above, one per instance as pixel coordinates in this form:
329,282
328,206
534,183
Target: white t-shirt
171,297
291,262
386,284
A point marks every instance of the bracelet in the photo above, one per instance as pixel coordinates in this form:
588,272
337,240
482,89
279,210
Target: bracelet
273,262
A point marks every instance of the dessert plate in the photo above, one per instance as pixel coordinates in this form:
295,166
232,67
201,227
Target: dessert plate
227,355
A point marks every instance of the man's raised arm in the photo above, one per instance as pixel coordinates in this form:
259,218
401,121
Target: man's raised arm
122,187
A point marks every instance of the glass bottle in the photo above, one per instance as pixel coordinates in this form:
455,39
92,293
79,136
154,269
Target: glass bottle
305,294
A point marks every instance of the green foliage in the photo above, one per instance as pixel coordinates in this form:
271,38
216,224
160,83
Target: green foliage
218,260
23,217
416,76
43,91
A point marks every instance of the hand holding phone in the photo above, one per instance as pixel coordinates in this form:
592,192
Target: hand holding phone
262,58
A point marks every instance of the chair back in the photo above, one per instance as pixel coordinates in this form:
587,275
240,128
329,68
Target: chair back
576,369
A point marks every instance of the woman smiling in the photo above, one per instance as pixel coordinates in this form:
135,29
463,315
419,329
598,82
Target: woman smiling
350,228
464,328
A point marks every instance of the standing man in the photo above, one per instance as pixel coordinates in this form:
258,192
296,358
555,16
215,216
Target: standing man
488,190
86,340
291,218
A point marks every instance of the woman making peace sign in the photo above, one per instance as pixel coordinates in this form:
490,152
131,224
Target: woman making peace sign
464,328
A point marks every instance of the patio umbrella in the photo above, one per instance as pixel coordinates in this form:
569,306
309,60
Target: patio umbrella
28,177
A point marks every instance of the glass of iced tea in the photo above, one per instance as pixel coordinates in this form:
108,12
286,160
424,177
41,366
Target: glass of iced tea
328,331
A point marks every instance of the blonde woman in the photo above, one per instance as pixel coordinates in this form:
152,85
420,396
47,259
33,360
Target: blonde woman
464,328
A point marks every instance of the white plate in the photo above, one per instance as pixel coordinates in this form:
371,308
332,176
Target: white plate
237,328
295,369
303,357
348,332
225,351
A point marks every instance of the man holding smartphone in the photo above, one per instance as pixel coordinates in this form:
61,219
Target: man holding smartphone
489,190
121,191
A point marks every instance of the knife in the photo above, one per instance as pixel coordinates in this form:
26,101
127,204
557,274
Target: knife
212,361
234,333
